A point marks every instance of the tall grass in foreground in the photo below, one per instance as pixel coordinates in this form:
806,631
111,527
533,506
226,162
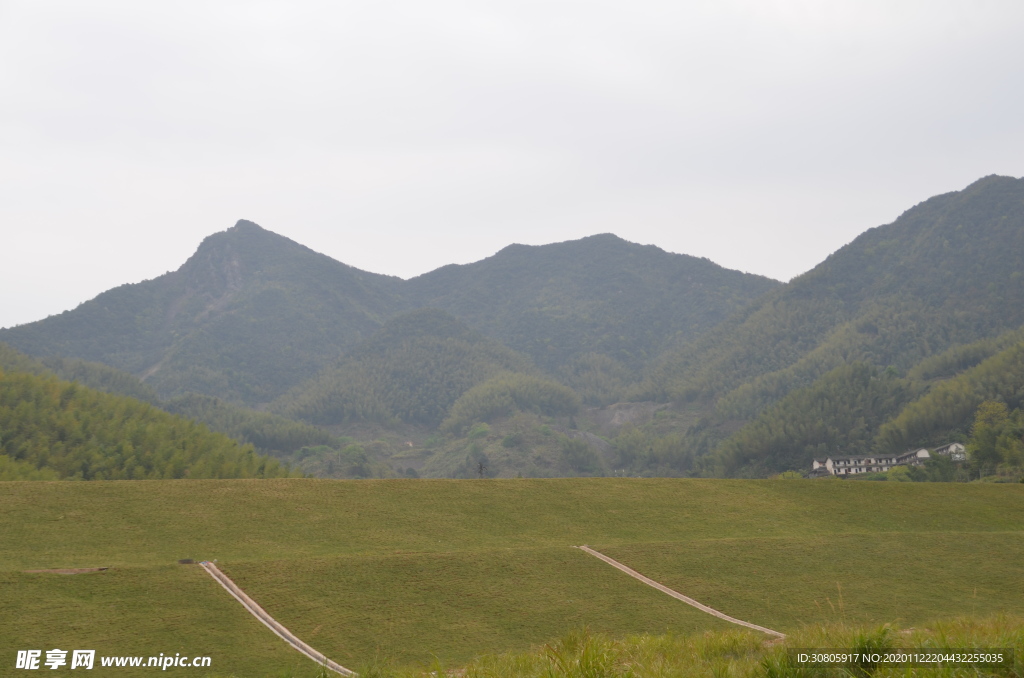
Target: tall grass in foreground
733,654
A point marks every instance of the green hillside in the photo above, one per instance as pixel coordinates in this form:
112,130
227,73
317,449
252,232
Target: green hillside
924,297
599,295
839,414
406,570
507,394
945,273
411,371
949,407
699,370
858,409
252,314
247,317
269,434
60,429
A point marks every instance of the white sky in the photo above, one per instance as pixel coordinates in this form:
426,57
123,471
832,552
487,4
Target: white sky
400,136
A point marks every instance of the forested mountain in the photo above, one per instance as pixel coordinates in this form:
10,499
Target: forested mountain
599,295
839,413
411,371
53,429
946,276
946,272
948,408
860,409
895,340
252,314
248,316
268,433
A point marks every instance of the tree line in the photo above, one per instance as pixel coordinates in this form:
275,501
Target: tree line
53,428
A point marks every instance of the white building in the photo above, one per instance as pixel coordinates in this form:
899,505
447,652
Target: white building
867,463
955,451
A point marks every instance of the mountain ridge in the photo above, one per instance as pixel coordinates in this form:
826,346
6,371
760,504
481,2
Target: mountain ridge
741,375
588,293
251,313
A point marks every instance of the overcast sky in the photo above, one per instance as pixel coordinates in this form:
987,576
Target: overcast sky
401,136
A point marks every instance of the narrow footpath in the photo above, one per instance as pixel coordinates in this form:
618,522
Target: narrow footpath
678,596
272,624
318,657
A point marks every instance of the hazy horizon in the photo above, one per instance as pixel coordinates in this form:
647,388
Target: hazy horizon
398,137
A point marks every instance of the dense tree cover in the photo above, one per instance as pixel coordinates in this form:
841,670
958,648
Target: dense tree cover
101,377
252,314
997,439
945,273
79,433
945,412
935,296
94,375
269,433
15,469
524,444
943,276
838,414
892,335
350,460
963,357
13,360
506,394
995,451
598,294
854,409
412,371
642,453
598,379
247,317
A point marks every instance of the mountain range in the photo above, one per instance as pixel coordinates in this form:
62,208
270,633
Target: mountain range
698,363
252,314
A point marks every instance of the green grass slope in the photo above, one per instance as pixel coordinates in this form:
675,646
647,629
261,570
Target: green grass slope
580,654
411,569
785,583
457,605
139,611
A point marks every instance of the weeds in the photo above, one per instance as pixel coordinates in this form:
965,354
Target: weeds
729,654
580,655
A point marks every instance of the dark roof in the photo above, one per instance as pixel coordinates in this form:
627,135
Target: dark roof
865,456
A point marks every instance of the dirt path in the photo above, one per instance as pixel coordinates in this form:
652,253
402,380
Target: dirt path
271,623
675,594
70,570
318,657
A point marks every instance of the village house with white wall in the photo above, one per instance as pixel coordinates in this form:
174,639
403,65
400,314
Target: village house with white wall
880,463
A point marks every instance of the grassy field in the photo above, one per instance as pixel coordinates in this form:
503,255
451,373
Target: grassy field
137,611
413,569
785,583
457,604
743,654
